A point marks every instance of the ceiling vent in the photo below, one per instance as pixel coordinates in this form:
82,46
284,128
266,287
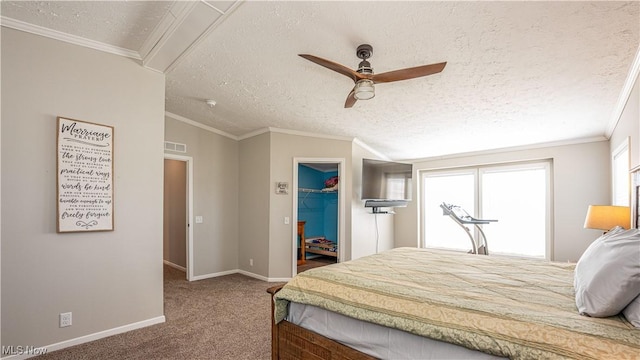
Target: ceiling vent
171,146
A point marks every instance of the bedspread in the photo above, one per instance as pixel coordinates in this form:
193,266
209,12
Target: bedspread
516,308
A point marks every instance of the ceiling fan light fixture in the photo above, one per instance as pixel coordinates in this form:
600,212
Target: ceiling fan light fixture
364,77
364,90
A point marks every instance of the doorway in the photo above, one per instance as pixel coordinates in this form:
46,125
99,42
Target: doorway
178,199
318,208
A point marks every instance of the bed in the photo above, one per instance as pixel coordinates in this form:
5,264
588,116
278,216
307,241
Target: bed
489,306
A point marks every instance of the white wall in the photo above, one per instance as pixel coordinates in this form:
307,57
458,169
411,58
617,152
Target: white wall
215,195
370,233
581,177
106,279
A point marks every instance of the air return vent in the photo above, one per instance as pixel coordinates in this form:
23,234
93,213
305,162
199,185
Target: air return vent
171,146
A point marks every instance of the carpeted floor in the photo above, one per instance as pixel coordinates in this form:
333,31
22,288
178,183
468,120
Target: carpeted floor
316,262
220,318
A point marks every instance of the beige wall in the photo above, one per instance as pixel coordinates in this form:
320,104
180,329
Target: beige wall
215,196
580,177
254,215
366,227
264,237
250,167
629,126
284,147
106,279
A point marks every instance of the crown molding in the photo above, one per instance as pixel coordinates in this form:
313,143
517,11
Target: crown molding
512,148
273,130
309,134
253,133
370,149
200,125
68,38
374,151
624,94
292,132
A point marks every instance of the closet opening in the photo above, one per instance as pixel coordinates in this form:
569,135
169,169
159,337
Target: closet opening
318,208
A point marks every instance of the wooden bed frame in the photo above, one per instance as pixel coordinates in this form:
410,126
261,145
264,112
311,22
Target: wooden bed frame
289,341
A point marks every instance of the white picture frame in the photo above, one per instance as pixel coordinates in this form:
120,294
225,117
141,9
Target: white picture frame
84,181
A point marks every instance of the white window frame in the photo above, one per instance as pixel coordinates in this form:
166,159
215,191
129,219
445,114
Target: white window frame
618,193
478,170
528,165
443,172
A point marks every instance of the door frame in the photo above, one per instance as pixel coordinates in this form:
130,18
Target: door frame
189,161
341,206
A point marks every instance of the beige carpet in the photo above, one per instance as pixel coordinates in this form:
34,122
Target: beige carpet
220,318
316,262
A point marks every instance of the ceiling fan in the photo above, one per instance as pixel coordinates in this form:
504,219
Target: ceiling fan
364,76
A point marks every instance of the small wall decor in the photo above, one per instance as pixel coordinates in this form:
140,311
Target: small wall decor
282,188
84,176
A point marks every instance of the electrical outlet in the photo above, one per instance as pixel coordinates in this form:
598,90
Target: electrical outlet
250,262
65,319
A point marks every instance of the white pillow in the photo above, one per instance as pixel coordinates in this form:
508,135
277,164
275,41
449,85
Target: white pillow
607,276
632,312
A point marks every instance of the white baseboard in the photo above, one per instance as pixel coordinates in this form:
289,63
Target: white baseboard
263,278
255,276
88,338
239,271
175,266
212,275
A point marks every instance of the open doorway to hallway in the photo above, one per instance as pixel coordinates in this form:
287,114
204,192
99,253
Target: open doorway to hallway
177,234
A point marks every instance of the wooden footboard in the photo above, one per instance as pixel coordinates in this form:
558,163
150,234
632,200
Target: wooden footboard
289,341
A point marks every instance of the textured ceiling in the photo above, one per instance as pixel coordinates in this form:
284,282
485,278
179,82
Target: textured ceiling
125,24
518,73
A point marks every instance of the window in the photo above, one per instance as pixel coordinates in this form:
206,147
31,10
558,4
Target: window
517,195
620,174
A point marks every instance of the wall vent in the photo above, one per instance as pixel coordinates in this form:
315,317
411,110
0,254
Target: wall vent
171,146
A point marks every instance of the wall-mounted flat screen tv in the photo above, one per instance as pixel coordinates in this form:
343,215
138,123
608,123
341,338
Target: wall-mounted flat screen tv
386,183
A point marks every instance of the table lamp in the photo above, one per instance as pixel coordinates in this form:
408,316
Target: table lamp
606,217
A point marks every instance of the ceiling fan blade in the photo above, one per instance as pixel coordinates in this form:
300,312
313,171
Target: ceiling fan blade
334,66
351,99
408,73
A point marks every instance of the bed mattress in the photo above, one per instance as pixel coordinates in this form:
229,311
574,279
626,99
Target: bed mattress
375,340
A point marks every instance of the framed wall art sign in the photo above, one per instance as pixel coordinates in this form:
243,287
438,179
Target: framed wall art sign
84,176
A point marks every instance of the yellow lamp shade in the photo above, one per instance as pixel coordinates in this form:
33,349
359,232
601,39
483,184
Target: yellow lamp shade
606,217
